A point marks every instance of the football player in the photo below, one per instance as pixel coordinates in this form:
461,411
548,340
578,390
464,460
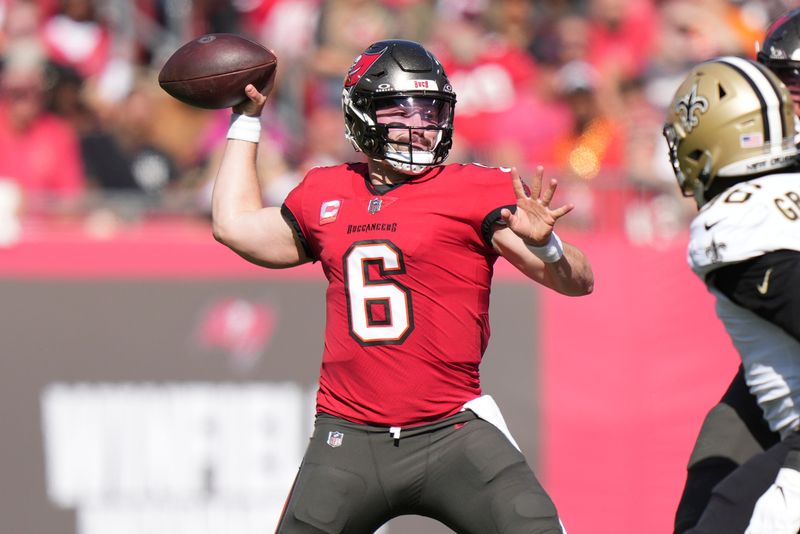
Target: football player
781,52
731,133
408,246
734,430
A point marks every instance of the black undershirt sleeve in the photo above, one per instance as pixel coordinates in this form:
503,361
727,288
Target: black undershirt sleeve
487,226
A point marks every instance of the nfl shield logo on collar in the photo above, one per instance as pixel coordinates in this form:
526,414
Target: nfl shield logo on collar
335,438
374,205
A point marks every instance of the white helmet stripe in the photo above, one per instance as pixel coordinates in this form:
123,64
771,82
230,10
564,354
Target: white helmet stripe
769,94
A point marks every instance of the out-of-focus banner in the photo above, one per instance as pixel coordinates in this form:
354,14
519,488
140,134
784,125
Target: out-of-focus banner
172,457
173,393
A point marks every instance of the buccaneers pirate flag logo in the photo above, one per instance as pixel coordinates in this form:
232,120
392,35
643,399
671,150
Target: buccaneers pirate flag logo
360,66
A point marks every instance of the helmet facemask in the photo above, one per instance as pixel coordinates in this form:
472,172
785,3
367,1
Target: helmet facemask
692,184
412,129
411,133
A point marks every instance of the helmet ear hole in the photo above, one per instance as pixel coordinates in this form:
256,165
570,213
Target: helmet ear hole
695,155
369,143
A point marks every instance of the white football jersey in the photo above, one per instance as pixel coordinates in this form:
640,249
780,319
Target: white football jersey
749,220
746,221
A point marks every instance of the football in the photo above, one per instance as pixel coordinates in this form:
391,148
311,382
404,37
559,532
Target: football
212,71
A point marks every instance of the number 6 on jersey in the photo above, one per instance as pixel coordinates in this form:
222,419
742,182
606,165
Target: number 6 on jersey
379,311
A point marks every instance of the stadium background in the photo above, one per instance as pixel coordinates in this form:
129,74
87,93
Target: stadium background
151,381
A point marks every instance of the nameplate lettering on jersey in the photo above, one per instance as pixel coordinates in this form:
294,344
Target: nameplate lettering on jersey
371,227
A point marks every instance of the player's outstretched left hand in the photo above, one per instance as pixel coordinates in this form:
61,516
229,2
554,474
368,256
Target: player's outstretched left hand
534,219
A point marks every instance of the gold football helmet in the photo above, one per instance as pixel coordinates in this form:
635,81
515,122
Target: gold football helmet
730,121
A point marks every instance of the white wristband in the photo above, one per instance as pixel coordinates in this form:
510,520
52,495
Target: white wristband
245,128
550,252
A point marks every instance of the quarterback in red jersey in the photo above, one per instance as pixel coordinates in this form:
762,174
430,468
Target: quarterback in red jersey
408,247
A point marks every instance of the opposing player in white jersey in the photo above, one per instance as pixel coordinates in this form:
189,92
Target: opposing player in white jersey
734,430
731,133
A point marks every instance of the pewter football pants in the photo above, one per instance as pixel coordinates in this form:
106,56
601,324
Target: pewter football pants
461,471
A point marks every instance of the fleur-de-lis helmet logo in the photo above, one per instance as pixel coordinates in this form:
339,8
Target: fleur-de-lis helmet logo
690,107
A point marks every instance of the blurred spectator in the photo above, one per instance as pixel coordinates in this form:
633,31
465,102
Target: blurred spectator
494,80
78,37
620,39
325,143
345,27
189,135
18,19
507,59
287,27
214,16
594,141
63,96
564,39
690,32
38,150
514,20
414,19
747,20
642,123
75,36
590,153
127,161
655,210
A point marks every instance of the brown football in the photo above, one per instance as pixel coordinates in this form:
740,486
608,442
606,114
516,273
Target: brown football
212,71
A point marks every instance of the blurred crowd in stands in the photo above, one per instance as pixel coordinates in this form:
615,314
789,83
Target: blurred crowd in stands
577,86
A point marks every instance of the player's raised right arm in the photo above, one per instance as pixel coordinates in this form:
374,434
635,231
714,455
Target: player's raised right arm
239,219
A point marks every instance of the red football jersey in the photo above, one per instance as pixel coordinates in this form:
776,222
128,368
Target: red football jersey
409,275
